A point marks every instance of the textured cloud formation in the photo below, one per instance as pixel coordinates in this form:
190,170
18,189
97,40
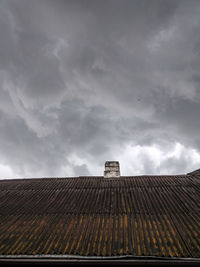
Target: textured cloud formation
82,82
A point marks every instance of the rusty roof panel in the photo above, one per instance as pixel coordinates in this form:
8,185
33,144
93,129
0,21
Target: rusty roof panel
93,216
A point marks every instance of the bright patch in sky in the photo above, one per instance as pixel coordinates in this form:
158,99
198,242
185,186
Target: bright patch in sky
6,172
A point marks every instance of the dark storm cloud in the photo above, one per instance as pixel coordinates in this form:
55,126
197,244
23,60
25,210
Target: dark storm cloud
82,82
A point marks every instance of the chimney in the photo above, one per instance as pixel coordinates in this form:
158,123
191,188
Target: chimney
112,169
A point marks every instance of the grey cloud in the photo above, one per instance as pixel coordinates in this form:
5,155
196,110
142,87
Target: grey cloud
182,117
81,169
173,165
90,77
26,152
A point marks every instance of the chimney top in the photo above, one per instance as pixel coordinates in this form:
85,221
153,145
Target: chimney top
112,169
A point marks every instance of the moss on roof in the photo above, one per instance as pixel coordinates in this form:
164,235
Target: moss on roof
93,216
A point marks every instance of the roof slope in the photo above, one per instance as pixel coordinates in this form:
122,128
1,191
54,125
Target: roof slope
93,216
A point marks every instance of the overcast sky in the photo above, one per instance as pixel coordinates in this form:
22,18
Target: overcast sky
86,81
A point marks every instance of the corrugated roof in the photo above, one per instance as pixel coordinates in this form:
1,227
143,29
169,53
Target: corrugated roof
92,216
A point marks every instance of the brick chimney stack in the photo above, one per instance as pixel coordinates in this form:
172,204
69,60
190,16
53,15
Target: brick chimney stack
112,169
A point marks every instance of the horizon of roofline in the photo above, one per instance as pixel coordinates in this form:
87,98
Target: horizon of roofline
94,176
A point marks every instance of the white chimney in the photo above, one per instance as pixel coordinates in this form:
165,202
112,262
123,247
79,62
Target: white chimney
112,169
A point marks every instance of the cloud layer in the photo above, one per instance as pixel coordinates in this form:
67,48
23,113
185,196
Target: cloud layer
83,82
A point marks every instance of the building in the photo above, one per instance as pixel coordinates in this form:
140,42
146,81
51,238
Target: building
107,218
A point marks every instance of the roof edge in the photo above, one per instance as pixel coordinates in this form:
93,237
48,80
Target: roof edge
195,172
95,176
79,257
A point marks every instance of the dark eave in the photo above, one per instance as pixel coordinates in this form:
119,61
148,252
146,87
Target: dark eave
118,260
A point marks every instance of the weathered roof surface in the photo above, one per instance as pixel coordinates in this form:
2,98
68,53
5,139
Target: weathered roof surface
93,216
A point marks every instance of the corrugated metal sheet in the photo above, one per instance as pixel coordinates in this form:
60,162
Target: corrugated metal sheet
141,216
